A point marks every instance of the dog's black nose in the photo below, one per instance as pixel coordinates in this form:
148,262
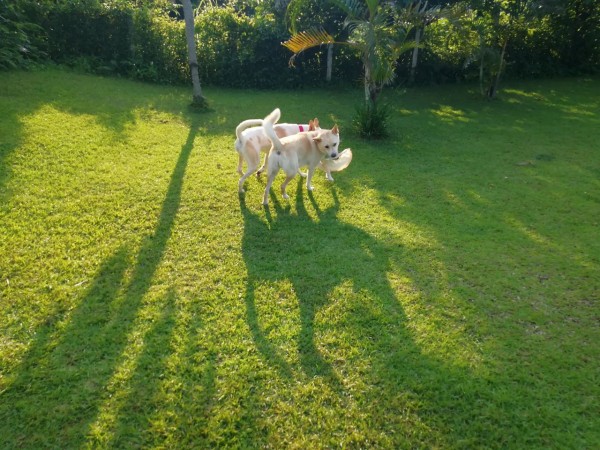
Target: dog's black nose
334,155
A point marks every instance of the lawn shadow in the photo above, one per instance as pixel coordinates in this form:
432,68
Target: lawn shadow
519,258
279,246
68,367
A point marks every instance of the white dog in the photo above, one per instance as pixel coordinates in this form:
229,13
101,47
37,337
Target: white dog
290,153
251,141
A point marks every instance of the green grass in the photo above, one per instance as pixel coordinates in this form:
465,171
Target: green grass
442,293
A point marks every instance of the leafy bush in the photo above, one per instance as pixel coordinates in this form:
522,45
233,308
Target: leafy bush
20,39
371,120
242,47
158,48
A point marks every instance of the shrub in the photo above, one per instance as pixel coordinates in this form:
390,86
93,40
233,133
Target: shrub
20,40
371,120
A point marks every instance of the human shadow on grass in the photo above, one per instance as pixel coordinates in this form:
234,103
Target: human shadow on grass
316,255
61,383
519,267
269,250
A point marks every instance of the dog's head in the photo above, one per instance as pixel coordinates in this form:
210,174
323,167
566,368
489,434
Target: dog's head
328,142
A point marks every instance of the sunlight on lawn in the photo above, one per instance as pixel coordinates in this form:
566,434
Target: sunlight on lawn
449,114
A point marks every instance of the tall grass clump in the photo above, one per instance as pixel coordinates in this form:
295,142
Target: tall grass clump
371,121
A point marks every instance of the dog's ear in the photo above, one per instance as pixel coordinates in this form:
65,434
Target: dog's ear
335,130
311,125
316,122
317,138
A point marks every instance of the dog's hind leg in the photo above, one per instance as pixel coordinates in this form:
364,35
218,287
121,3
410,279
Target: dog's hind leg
264,166
240,163
252,160
265,201
284,186
272,171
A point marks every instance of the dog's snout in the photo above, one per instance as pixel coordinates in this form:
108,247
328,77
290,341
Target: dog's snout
334,155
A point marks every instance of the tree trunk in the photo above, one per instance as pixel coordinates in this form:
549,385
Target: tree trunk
367,85
197,99
493,90
482,56
329,62
415,57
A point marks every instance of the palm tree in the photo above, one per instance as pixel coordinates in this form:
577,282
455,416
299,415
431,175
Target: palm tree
198,100
421,15
375,31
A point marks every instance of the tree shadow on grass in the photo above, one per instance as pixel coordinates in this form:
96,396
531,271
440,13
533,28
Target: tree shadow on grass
63,379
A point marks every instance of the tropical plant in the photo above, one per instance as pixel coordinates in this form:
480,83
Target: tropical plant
420,14
371,120
306,14
496,23
376,31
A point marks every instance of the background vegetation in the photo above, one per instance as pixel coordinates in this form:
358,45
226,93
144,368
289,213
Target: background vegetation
239,41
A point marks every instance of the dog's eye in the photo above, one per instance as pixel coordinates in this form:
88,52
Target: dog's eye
327,146
335,144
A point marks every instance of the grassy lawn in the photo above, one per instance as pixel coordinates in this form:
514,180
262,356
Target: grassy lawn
441,293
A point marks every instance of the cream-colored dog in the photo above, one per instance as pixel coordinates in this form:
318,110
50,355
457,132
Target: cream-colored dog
290,153
251,140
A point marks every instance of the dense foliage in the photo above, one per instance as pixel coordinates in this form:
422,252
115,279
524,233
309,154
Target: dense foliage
239,41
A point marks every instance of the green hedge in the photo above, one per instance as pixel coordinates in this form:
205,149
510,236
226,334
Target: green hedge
233,49
245,51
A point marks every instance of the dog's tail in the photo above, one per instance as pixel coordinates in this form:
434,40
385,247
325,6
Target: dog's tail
246,124
268,123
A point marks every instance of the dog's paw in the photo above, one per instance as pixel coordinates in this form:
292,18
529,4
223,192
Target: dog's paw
328,177
310,188
285,196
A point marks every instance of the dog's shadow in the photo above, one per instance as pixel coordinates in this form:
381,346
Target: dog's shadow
315,255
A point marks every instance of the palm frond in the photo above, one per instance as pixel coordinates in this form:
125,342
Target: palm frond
308,39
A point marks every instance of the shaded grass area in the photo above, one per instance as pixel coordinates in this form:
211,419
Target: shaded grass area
443,292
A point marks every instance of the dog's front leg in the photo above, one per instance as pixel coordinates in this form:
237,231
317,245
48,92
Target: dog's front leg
328,176
309,175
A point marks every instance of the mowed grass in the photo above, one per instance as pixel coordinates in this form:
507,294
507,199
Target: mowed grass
441,293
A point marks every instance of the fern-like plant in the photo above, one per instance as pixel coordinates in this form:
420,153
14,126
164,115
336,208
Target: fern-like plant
375,31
